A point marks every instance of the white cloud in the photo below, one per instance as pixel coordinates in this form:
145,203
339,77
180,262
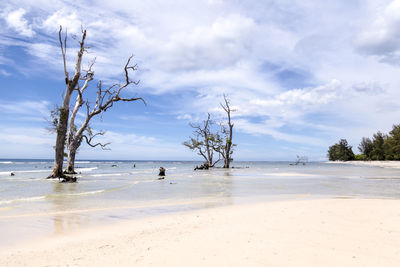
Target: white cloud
185,117
382,36
69,20
226,41
267,128
132,146
207,48
26,136
4,73
17,22
25,108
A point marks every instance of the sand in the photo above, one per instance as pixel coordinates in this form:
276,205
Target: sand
319,232
372,163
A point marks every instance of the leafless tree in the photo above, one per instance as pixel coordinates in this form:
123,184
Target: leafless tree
205,142
71,85
226,150
105,99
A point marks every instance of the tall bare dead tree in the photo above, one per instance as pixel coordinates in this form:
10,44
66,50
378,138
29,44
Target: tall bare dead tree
105,100
205,141
71,85
226,150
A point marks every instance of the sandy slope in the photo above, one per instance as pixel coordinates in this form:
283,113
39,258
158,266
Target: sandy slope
336,232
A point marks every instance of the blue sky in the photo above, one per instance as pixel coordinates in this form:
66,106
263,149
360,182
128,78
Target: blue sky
300,74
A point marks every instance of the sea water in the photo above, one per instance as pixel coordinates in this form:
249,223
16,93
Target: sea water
110,191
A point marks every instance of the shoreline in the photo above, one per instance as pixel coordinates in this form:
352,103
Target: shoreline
371,163
317,232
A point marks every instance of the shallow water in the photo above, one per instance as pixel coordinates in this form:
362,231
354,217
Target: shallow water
108,191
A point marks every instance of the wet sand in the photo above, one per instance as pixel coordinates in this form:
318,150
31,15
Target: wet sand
318,232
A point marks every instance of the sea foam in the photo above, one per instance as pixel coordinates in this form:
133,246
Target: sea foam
26,199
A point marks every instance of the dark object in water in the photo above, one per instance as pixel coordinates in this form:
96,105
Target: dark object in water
134,165
161,178
204,166
69,179
12,174
300,160
69,170
114,165
162,172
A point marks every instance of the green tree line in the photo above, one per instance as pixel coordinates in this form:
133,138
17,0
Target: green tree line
380,147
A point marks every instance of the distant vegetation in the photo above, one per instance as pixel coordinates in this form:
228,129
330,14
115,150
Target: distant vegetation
341,151
380,147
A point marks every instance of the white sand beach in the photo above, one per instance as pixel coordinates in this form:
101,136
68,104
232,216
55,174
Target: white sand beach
318,232
371,163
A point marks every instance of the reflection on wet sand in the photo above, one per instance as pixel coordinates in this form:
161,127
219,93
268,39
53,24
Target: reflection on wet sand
66,221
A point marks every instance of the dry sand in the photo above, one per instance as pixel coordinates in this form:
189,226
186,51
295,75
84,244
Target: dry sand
334,232
372,163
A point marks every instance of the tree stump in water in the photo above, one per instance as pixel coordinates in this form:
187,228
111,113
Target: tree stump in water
162,172
69,170
204,166
69,179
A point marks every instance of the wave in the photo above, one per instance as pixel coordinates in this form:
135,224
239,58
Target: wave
37,198
109,174
26,199
77,194
5,173
82,162
25,171
6,162
290,174
86,169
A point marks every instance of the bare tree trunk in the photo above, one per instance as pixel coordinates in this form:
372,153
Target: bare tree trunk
228,147
227,152
207,141
71,84
60,141
71,159
228,159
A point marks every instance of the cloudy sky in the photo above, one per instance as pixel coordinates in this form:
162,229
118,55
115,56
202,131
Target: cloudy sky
300,74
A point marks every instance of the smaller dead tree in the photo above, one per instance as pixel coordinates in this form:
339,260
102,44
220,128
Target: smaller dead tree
204,142
104,101
226,149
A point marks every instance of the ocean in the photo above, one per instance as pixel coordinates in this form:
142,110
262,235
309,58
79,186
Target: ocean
32,206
